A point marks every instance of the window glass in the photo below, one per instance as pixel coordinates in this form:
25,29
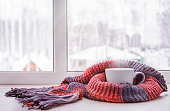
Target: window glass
26,35
100,30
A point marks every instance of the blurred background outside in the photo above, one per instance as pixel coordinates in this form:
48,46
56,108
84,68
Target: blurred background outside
100,30
26,35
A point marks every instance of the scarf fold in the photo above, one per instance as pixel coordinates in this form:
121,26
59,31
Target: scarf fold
92,84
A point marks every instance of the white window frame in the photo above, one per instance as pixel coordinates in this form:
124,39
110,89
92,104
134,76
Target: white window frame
60,55
59,61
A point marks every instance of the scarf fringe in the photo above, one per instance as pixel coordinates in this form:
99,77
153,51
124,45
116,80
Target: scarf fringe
40,98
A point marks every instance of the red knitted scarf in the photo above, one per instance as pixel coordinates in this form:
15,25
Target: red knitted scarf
92,84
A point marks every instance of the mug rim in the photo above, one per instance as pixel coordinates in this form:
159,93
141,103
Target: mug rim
120,69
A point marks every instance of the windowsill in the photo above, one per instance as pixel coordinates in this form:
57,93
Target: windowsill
159,104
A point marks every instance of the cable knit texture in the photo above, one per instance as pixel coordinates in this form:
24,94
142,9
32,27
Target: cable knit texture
92,84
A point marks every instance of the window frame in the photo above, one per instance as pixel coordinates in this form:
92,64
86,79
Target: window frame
59,41
60,55
166,73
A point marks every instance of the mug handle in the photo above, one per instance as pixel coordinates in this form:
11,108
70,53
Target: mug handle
139,77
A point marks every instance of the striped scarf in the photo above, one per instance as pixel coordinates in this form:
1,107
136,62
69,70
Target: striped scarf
92,85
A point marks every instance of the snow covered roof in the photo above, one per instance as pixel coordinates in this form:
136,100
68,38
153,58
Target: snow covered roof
103,52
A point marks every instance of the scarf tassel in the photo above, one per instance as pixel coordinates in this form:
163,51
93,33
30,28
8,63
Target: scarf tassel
40,98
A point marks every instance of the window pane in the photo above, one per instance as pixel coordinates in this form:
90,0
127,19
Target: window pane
100,30
26,35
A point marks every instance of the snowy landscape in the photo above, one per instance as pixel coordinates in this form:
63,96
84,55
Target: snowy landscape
98,30
26,34
101,30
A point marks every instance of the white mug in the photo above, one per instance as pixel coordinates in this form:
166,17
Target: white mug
122,75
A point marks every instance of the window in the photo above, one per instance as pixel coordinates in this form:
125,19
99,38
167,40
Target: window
27,50
72,42
26,35
100,30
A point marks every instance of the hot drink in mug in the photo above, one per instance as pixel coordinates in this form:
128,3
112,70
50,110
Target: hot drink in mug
123,75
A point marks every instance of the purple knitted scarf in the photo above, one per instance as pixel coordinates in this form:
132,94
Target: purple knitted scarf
92,84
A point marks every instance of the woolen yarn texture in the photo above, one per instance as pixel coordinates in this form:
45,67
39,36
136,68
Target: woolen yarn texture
92,84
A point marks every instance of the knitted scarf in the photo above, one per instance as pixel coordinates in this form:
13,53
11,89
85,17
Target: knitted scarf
92,85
